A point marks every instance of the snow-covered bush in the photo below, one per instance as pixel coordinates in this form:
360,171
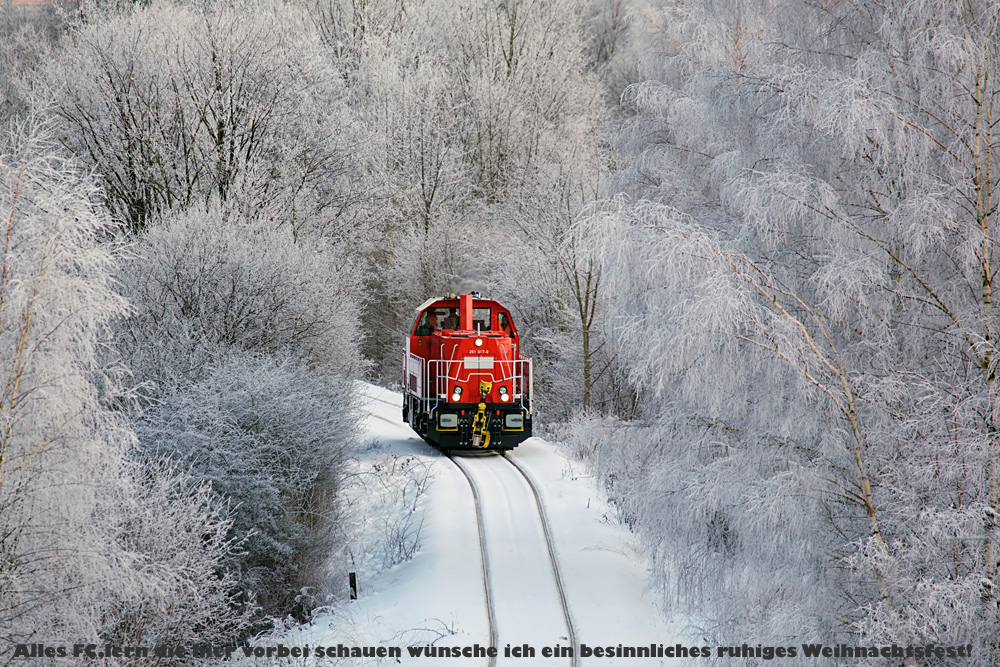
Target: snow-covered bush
381,512
710,505
201,287
178,551
92,546
270,435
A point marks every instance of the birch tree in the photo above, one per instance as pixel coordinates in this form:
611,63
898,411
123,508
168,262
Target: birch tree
839,224
55,297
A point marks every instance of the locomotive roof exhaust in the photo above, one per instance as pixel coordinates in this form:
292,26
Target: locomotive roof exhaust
465,312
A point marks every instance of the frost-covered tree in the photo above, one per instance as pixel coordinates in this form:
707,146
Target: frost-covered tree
56,299
176,105
220,137
27,35
347,25
92,546
808,296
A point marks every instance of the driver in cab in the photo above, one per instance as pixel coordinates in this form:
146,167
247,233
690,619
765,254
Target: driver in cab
428,326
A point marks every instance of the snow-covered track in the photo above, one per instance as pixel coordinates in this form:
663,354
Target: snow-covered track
490,661
517,532
571,633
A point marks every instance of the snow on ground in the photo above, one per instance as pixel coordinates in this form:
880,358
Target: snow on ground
436,598
525,596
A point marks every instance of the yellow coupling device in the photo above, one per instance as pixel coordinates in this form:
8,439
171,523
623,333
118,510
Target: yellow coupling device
479,432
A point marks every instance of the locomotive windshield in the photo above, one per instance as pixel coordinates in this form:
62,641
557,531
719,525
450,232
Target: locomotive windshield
481,319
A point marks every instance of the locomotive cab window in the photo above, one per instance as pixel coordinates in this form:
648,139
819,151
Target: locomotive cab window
429,322
481,319
503,324
449,318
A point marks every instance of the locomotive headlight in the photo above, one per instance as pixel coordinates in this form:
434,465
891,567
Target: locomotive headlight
456,394
504,396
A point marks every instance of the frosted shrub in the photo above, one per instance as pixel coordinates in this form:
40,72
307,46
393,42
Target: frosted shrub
201,286
382,518
270,436
177,544
709,504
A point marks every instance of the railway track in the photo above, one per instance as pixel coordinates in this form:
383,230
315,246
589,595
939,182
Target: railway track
394,403
481,471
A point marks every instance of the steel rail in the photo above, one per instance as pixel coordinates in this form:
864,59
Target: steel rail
552,556
553,560
491,660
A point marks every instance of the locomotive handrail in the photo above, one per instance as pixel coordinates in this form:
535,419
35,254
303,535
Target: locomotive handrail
444,372
431,383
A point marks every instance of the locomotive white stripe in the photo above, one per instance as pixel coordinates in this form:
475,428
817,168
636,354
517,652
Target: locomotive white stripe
478,363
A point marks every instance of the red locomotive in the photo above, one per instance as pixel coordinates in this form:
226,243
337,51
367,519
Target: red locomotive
466,384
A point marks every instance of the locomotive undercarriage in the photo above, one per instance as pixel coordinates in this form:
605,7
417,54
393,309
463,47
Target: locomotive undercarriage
493,426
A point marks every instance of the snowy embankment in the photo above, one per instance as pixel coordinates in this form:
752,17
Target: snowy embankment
436,598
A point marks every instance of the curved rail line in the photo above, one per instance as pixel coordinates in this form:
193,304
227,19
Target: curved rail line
491,661
571,633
